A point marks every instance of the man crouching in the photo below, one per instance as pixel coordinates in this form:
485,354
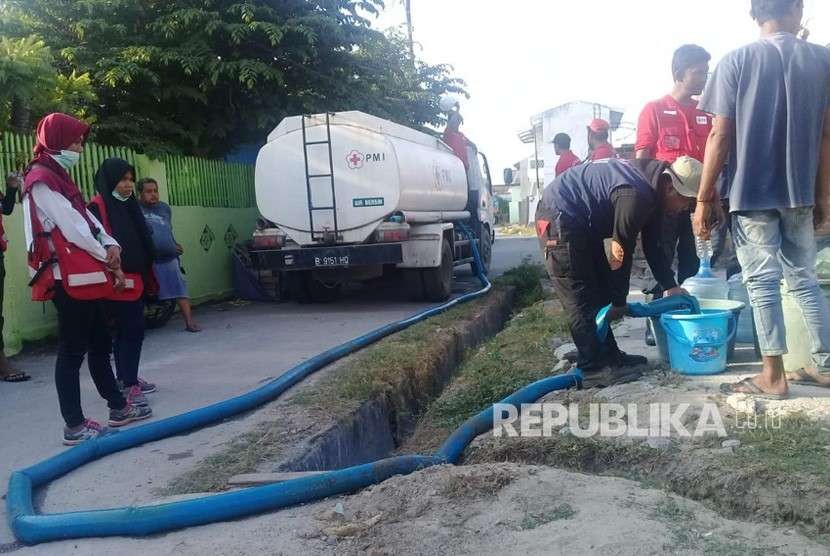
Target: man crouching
614,199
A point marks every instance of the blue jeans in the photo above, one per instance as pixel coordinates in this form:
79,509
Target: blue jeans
776,244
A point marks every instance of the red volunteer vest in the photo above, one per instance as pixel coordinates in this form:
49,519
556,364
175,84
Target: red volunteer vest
83,276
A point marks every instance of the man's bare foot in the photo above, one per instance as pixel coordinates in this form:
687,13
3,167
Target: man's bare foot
809,376
193,327
9,373
757,386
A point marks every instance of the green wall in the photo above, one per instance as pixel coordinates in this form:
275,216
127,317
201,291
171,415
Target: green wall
207,262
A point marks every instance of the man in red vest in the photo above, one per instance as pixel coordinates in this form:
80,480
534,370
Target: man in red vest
456,140
598,132
671,127
562,148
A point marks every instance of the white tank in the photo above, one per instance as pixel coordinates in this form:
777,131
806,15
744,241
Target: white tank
379,168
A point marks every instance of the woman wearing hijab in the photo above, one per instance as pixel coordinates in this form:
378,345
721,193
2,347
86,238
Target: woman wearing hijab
118,209
53,201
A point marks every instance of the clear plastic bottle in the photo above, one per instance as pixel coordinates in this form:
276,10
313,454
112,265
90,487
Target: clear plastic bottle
704,251
706,284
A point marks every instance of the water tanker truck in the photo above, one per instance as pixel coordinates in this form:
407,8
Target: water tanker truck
348,197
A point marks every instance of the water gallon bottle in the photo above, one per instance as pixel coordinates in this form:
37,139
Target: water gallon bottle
746,324
705,284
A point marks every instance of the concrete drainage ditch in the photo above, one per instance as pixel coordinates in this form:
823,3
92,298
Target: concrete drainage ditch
381,424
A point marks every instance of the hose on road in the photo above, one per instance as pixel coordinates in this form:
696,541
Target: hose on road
31,528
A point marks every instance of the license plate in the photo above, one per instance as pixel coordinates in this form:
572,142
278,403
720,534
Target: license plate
338,260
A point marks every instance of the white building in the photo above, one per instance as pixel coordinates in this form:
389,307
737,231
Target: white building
528,175
572,118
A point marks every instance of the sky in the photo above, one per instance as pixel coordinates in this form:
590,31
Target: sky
522,57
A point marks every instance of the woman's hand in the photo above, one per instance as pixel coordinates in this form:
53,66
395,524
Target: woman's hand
120,280
113,261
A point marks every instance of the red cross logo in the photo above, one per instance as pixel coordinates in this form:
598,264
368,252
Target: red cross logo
355,160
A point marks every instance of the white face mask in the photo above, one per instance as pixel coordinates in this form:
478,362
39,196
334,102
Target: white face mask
118,195
67,159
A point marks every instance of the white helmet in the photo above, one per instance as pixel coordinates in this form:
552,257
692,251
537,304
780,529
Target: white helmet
447,102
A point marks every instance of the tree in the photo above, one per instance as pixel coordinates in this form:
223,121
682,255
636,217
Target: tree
26,74
30,85
204,76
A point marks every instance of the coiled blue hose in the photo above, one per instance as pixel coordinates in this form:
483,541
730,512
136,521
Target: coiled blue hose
31,527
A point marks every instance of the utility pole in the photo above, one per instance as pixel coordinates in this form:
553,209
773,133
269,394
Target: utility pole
408,7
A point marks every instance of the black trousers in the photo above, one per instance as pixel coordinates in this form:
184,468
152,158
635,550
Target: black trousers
82,330
581,275
128,337
678,238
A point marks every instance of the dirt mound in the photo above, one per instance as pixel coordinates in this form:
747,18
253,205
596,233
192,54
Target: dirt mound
496,508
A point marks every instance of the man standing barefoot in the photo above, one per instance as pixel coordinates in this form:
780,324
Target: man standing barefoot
771,102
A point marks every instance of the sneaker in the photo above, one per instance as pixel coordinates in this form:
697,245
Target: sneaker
87,430
130,413
146,387
135,396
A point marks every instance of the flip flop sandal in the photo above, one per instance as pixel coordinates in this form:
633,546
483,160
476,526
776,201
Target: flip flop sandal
750,389
18,376
805,379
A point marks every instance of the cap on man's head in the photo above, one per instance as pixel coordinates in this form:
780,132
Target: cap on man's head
562,140
598,125
685,175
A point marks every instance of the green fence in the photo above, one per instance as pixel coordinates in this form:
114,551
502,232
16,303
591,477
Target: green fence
199,182
17,150
191,181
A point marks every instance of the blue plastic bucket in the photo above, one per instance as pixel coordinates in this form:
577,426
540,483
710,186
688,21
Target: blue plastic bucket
735,307
698,344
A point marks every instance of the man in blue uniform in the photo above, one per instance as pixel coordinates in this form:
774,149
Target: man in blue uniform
614,199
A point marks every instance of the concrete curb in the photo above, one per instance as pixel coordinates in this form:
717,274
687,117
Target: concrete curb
379,425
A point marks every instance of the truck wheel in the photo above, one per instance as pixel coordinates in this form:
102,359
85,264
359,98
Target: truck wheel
485,250
304,288
438,281
323,293
413,284
298,287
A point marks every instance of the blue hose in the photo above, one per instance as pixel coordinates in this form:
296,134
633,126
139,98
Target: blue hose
31,527
653,309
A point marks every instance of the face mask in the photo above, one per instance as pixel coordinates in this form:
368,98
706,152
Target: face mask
67,159
118,196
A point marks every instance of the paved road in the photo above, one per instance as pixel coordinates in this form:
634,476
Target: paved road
240,348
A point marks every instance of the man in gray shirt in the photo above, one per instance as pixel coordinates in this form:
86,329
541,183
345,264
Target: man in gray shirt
770,100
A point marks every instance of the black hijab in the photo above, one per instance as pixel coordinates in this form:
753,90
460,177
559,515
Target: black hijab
125,217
